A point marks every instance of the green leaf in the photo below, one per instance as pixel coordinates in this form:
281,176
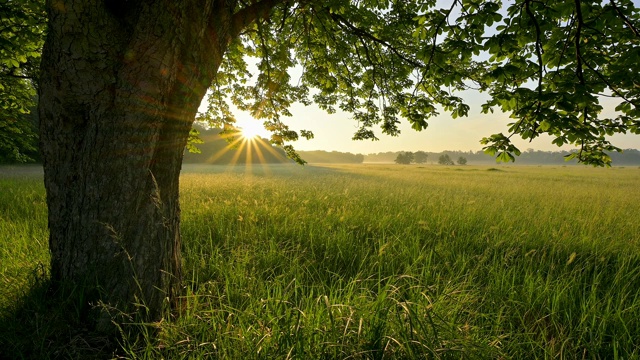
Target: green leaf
544,125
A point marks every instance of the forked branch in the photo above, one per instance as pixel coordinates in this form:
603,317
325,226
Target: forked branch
342,22
580,23
250,13
625,19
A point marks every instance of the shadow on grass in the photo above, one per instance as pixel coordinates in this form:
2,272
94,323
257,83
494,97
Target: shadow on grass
46,323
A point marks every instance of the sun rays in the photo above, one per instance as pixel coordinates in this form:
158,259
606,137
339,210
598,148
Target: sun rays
248,146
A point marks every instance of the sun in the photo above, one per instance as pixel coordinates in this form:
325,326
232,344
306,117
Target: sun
249,133
251,129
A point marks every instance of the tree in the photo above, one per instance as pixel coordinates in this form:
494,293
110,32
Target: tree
21,37
462,160
420,157
121,82
444,159
404,158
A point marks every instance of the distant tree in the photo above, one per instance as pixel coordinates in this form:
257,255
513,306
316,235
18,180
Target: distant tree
420,157
444,159
404,158
409,156
336,157
462,160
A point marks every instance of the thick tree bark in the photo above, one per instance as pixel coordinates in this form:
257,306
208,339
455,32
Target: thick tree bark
120,85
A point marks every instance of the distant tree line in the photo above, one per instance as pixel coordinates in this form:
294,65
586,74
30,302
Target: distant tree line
529,157
418,157
430,157
18,144
335,157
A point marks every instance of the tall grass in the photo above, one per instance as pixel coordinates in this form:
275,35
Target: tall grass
386,261
23,232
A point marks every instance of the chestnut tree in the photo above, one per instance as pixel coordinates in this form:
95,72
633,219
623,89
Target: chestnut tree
121,82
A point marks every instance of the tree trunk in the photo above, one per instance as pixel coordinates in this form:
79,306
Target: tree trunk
120,85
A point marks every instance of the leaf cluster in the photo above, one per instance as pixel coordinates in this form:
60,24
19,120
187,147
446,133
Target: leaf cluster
552,63
408,157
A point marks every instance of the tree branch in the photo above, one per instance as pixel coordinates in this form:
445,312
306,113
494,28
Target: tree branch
25,77
538,45
437,30
579,73
611,86
539,56
625,19
363,33
251,13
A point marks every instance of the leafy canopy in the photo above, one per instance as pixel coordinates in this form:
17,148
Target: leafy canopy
548,64
22,27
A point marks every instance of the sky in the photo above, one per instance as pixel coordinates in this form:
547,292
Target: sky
334,132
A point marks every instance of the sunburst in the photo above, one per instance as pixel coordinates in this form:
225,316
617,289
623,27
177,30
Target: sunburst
250,140
251,130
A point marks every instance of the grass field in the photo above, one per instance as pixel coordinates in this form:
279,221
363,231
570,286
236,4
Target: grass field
366,262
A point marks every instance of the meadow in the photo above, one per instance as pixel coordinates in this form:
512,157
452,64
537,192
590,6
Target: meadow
363,262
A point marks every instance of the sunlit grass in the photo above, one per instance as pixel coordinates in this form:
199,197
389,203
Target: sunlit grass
390,262
23,236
